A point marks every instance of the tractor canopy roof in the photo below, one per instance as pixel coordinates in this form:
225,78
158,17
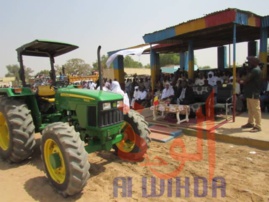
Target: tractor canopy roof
45,48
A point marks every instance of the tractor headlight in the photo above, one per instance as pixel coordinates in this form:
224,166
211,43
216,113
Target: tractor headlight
114,105
119,104
106,105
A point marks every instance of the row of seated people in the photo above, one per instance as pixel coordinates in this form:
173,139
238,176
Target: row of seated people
142,98
185,93
182,93
196,96
175,79
239,87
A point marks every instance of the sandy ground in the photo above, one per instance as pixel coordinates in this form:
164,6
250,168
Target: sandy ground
242,175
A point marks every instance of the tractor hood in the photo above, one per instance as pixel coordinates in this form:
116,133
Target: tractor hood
97,95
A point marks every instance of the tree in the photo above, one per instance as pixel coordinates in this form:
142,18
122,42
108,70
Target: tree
205,67
75,66
103,60
13,71
169,59
130,62
147,66
28,71
43,72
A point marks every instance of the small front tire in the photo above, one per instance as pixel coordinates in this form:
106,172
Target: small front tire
136,138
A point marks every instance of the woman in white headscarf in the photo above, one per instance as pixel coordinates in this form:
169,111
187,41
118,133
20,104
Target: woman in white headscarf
115,88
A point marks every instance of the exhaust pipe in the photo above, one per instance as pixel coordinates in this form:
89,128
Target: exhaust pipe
100,68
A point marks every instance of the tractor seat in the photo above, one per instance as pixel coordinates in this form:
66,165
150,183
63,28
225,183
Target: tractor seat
46,93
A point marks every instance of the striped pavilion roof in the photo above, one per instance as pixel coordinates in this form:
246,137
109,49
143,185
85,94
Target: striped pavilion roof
214,29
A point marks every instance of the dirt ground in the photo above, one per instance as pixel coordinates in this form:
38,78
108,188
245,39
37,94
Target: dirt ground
239,173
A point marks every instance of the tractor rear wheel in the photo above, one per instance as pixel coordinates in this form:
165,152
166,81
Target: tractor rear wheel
16,130
136,137
65,159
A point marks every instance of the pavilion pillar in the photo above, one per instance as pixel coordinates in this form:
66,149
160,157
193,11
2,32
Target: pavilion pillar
263,50
154,68
119,71
191,60
222,57
252,48
182,61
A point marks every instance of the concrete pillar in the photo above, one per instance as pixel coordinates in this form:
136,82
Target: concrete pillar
263,50
119,71
252,48
222,57
191,60
154,68
158,66
182,60
186,66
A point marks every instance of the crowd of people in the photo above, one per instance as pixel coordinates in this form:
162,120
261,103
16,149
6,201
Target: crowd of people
177,87
107,85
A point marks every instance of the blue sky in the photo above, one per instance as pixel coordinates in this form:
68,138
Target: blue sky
111,24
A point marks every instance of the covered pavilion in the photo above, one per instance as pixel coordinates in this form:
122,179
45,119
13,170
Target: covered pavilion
216,29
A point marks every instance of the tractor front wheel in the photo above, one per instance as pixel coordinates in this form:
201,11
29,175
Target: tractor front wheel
16,130
136,138
65,159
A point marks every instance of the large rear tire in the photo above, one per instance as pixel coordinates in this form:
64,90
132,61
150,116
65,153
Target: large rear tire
136,137
65,159
16,130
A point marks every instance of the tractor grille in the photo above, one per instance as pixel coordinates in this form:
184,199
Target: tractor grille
92,116
110,117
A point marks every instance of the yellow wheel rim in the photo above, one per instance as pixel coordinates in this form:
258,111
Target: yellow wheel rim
4,132
127,144
54,161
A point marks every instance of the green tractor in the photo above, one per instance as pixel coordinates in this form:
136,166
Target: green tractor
73,122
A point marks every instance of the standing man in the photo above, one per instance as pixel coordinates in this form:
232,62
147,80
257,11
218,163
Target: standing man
252,89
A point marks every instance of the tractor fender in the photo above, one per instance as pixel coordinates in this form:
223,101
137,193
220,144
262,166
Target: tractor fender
16,92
